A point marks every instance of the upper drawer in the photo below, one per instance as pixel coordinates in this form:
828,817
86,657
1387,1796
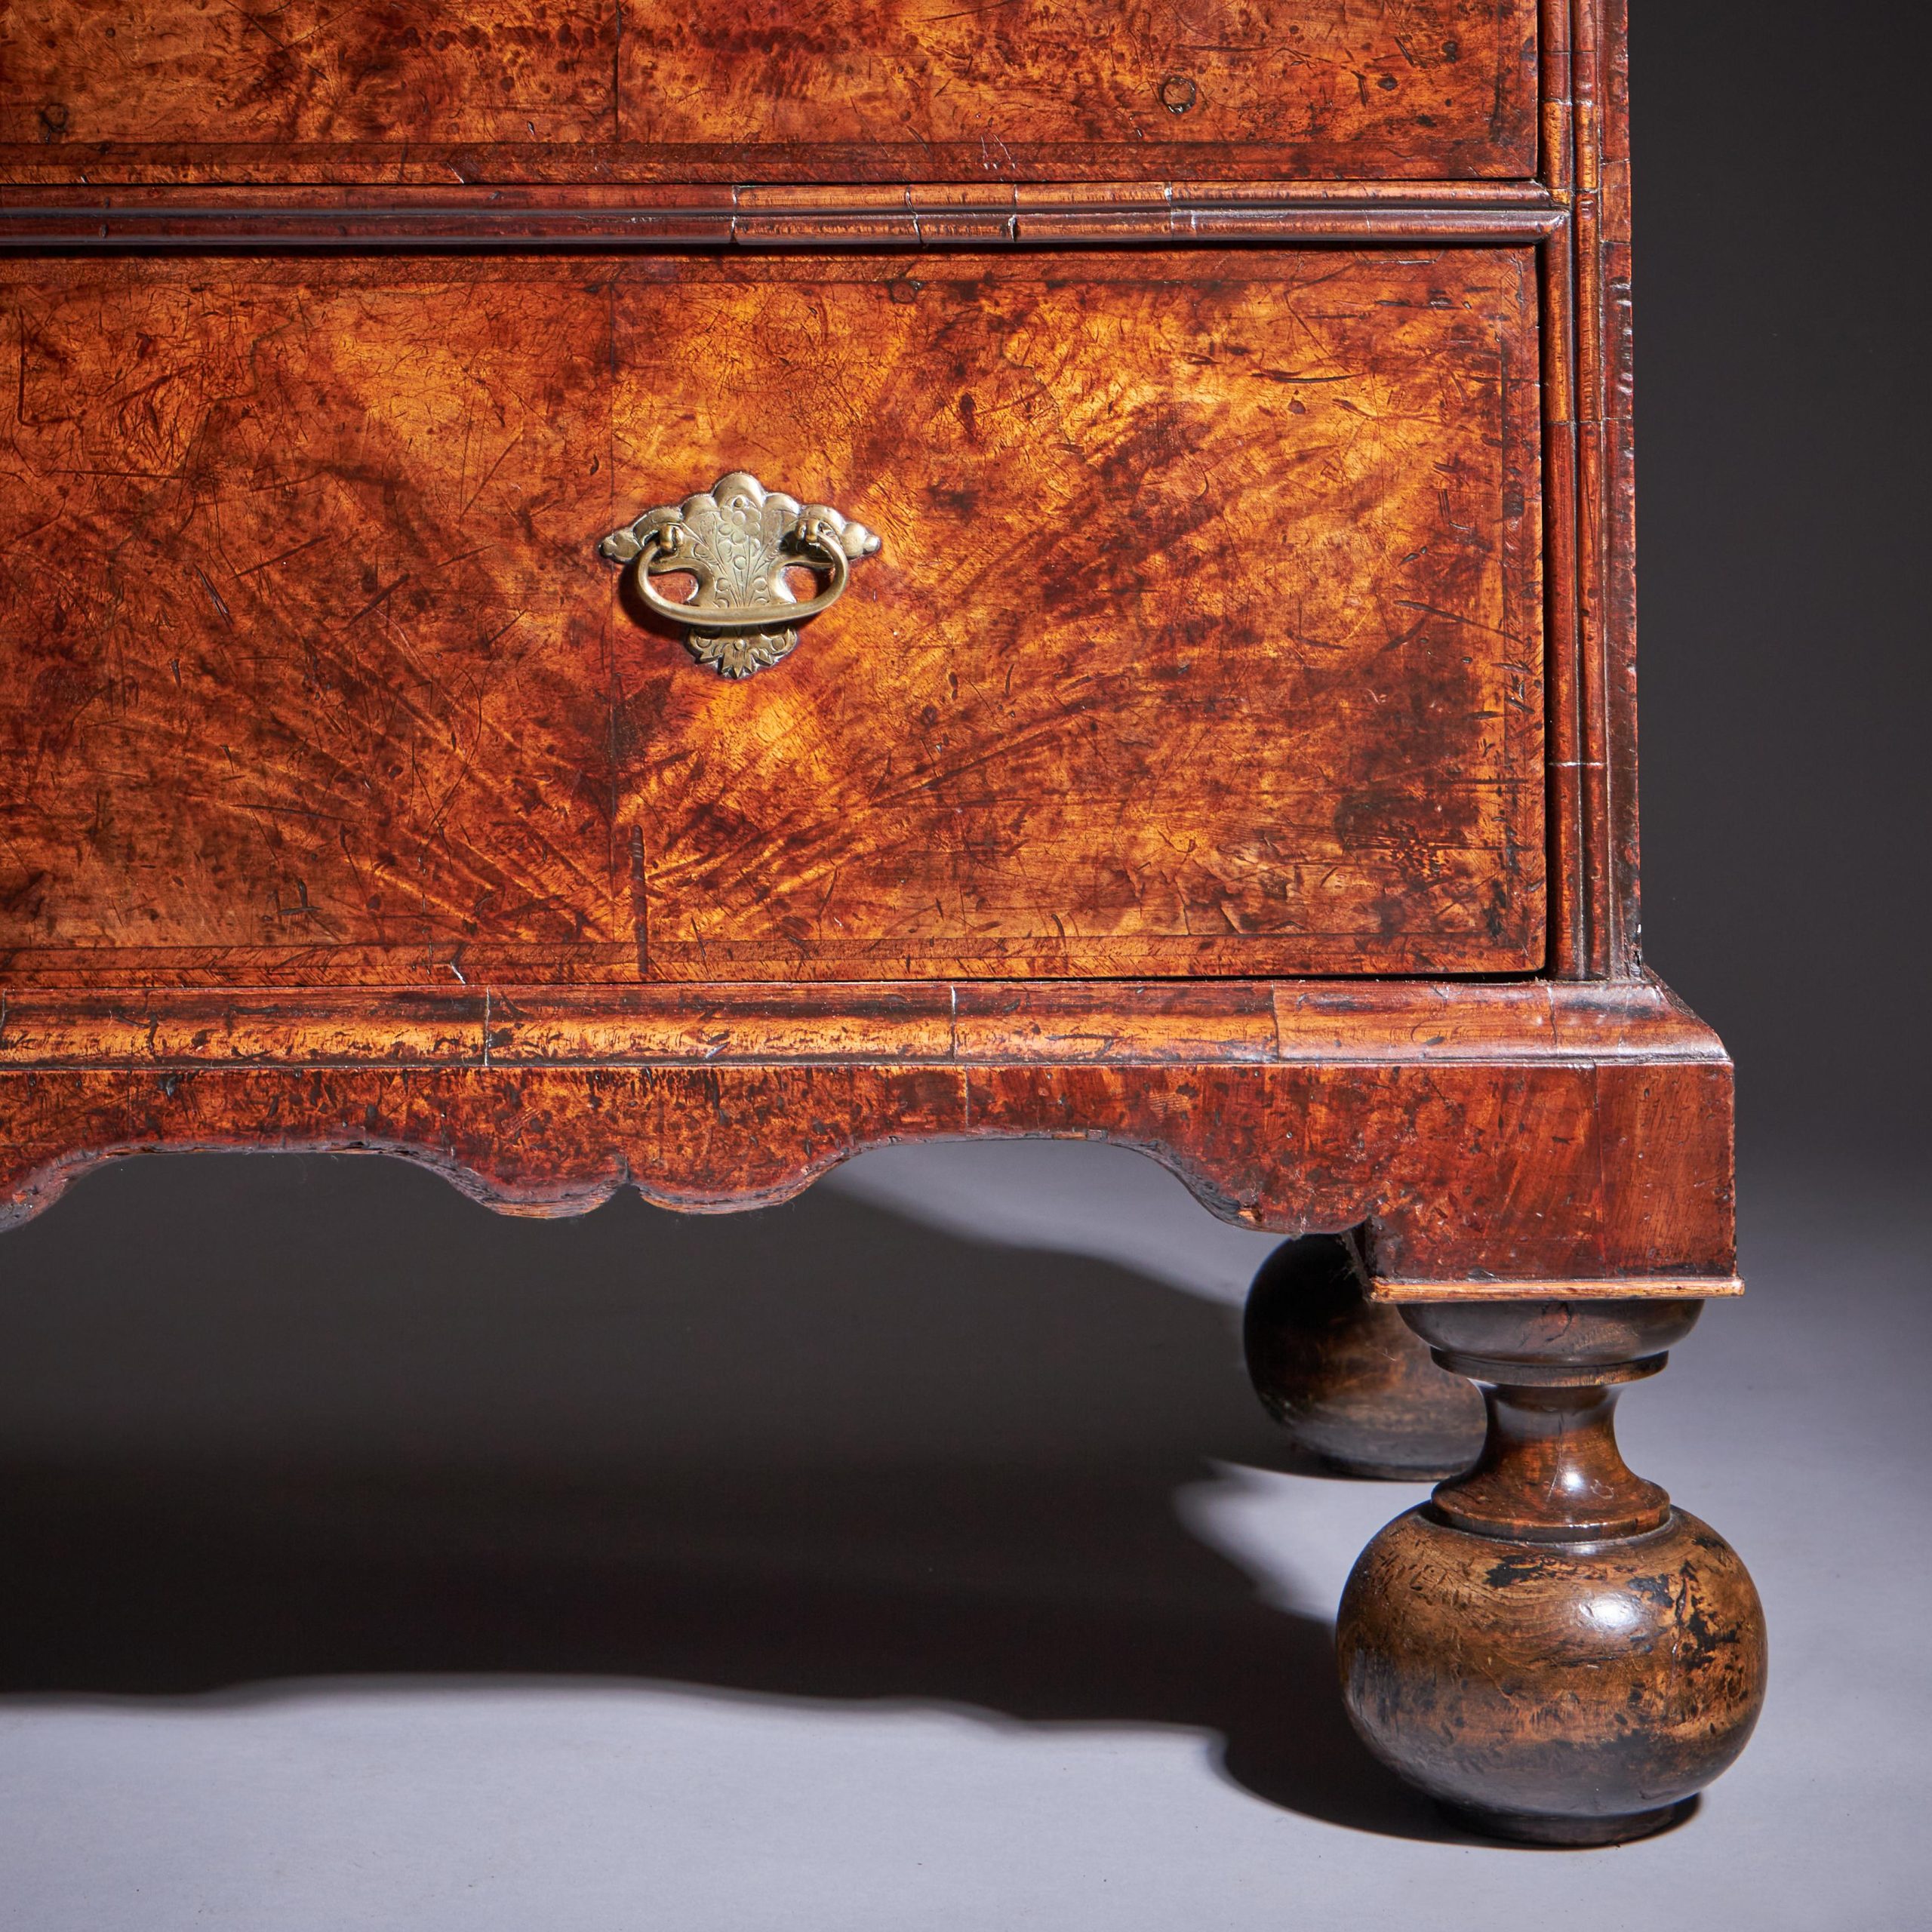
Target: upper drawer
768,90
1204,636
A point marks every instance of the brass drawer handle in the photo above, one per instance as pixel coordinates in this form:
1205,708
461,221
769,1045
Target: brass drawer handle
738,540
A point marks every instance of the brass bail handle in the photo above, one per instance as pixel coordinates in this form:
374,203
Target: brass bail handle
669,556
738,539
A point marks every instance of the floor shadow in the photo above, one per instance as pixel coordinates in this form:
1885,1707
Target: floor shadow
270,1418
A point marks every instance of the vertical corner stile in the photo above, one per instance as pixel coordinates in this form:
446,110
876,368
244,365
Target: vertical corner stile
1595,614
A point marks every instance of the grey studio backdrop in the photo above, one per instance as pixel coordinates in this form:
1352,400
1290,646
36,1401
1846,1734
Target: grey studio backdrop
914,1554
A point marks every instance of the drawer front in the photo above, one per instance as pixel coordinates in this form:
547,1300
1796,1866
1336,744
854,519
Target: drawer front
1202,635
510,90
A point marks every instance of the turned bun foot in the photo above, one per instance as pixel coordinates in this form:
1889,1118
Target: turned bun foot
1345,1376
1567,1694
1548,1647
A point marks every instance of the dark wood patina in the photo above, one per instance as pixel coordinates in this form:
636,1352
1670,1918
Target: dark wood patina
1221,741
1548,1646
1344,1374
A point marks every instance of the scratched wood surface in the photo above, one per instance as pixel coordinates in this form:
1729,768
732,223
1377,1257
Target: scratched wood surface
304,635
1587,1146
867,90
347,806
1205,637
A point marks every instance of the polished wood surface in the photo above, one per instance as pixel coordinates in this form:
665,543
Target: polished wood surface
505,90
1205,637
1230,754
1591,1136
1548,1645
1525,1023
1345,1376
476,219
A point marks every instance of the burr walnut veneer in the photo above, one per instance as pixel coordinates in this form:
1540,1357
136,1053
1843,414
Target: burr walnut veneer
598,601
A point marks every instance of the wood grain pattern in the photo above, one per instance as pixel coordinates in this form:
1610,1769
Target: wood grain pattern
1649,1288
1460,1175
503,90
1456,1172
1025,658
1609,130
173,76
1243,392
1380,89
1525,1022
1591,1141
1591,478
1206,637
291,564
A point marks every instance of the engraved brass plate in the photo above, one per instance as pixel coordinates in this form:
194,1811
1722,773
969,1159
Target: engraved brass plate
738,540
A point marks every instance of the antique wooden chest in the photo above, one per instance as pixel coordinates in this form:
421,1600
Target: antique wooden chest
598,598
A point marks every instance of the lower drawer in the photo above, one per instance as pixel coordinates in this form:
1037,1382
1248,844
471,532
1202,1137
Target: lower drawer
1203,636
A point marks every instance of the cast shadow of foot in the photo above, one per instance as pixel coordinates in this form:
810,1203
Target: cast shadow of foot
263,1420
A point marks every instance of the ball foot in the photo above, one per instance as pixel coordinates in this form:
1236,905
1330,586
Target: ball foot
1548,1647
1344,1376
